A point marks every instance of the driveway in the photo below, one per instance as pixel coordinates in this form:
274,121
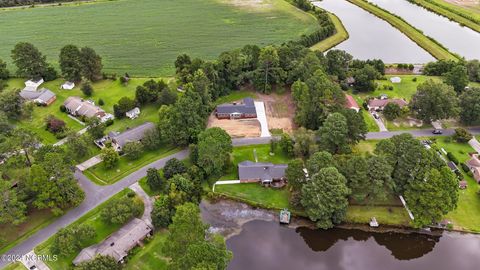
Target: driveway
379,122
89,163
262,118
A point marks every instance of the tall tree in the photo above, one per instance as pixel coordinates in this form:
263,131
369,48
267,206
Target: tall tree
295,175
268,67
355,171
91,64
365,78
12,210
470,106
473,70
24,140
70,63
12,104
379,175
457,77
154,180
214,148
29,60
324,198
434,101
305,143
337,63
4,73
172,167
318,161
334,134
109,157
100,263
357,127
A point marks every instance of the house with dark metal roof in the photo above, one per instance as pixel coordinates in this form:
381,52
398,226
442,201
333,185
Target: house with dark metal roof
42,97
130,135
245,109
261,171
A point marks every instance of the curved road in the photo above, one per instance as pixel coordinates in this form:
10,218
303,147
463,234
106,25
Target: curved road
95,194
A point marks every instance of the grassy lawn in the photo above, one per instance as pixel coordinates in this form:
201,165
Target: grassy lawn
403,124
103,176
384,214
91,218
15,266
256,194
36,220
235,96
149,257
340,36
464,15
155,32
367,146
414,34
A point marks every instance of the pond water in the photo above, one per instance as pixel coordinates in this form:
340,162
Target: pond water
267,245
458,39
259,242
371,37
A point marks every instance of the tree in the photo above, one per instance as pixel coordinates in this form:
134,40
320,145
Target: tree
286,144
154,180
132,150
162,212
470,106
295,175
432,197
212,253
152,140
87,89
392,111
110,157
71,239
324,198
357,127
11,104
268,65
355,171
473,70
124,105
78,146
95,127
334,134
173,167
337,63
91,64
318,161
4,73
100,263
186,229
462,135
379,175
24,140
121,210
305,143
29,60
434,101
70,63
457,77
12,210
214,148
365,78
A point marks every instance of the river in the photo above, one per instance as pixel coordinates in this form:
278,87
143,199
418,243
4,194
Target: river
458,39
371,37
259,242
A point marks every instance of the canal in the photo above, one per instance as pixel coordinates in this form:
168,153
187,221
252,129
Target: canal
461,40
259,242
371,37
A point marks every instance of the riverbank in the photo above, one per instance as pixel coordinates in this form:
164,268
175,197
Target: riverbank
427,43
340,36
451,12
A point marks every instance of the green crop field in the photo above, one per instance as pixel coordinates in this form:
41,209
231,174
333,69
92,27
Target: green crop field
144,37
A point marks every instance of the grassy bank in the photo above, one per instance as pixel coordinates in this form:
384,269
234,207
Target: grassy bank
463,16
427,43
155,32
150,256
340,36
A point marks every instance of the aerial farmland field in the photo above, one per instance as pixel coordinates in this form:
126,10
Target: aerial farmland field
143,37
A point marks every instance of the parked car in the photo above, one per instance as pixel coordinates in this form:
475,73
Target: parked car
376,116
437,131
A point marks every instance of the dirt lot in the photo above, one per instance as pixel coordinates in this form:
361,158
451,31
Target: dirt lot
236,128
280,111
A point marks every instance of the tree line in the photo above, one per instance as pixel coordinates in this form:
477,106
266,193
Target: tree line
13,3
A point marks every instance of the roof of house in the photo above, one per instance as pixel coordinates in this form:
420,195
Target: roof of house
261,170
474,162
383,102
132,135
247,107
81,107
68,83
44,95
395,79
117,244
351,103
463,184
35,81
135,110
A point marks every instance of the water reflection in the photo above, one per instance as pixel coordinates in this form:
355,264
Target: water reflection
267,245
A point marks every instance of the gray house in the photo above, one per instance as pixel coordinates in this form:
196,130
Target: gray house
261,171
130,135
246,109
42,97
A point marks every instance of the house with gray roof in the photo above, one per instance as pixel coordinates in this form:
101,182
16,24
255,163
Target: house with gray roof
261,171
76,106
245,109
118,244
43,97
130,135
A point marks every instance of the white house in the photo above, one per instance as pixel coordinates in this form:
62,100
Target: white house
33,84
396,80
134,113
68,85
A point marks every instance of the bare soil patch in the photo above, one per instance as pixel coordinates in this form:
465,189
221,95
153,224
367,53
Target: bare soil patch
280,111
237,128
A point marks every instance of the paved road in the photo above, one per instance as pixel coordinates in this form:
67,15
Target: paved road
95,195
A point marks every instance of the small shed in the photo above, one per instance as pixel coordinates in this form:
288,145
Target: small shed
68,85
134,113
462,184
396,80
34,83
373,222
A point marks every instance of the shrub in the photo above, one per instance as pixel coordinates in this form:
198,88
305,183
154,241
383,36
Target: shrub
101,102
462,135
465,168
452,158
121,210
87,89
54,125
63,108
133,150
414,79
109,122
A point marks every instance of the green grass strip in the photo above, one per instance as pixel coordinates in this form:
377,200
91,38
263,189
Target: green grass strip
340,36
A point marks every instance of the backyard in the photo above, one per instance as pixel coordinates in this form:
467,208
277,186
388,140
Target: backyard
148,40
150,256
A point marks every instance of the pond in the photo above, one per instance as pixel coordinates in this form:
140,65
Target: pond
458,39
371,37
259,242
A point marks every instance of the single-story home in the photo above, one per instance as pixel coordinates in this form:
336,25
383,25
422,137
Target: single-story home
261,171
76,106
42,97
67,85
474,166
379,104
134,113
118,244
396,80
245,109
352,103
130,135
34,83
